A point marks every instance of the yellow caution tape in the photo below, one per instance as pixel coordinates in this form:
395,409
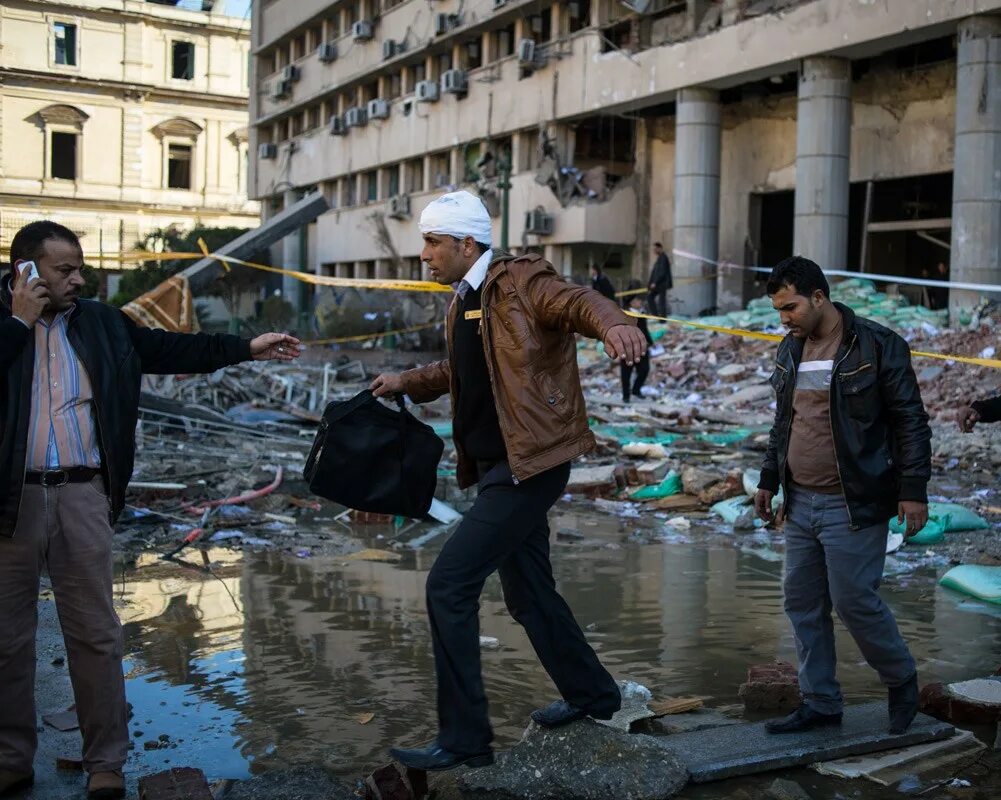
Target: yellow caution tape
428,286
992,363
366,336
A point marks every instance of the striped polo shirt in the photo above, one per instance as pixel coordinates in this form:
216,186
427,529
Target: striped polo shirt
62,433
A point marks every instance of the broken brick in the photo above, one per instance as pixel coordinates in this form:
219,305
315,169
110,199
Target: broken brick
771,687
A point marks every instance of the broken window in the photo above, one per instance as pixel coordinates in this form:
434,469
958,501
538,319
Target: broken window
413,180
394,86
349,191
444,63
541,26
474,54
529,157
579,12
504,46
370,181
420,73
441,169
64,35
63,158
182,61
179,166
312,118
392,180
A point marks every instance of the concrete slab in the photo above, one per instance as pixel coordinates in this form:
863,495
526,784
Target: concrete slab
746,749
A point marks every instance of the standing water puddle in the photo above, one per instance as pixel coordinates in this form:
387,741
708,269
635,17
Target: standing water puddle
273,660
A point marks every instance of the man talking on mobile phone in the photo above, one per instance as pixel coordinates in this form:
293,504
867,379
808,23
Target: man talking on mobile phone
70,371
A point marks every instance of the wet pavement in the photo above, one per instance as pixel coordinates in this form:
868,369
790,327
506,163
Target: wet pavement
240,662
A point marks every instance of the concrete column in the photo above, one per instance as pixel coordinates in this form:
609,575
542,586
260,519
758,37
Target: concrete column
696,200
823,146
291,257
976,177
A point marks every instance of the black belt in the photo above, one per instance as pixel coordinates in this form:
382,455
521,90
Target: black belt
60,477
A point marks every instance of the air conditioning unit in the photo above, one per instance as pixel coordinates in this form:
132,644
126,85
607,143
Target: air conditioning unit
267,150
280,89
337,126
399,206
355,117
526,52
453,81
426,91
378,109
539,222
361,31
290,73
327,52
392,48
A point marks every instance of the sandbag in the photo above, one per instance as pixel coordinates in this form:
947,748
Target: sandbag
933,532
943,518
667,487
984,583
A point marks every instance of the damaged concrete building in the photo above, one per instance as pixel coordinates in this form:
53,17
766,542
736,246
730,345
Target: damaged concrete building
865,135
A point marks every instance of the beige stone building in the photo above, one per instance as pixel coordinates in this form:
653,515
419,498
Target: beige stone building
863,134
118,117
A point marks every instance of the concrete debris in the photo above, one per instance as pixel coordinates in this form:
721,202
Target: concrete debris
296,783
582,761
181,783
782,789
888,768
973,702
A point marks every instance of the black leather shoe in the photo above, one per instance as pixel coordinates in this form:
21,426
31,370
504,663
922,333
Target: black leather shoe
435,758
557,714
802,719
903,705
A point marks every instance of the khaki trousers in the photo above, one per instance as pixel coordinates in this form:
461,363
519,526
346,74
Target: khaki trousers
65,530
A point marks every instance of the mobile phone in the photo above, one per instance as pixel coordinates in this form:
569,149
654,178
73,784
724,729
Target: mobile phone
29,265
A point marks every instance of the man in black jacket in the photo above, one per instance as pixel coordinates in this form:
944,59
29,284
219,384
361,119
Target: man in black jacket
660,282
70,372
600,283
988,410
851,447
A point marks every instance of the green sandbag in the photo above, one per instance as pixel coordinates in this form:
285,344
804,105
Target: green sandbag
932,533
984,583
724,437
950,517
731,509
670,485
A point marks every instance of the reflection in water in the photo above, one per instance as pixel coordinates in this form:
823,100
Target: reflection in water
274,660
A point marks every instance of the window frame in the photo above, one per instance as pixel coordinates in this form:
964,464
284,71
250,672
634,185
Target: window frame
172,42
51,20
50,130
176,141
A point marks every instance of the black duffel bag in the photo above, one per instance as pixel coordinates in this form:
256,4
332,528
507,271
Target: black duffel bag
371,458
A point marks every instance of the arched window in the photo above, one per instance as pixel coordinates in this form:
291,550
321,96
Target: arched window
63,126
179,138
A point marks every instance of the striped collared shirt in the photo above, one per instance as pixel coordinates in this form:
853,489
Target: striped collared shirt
62,433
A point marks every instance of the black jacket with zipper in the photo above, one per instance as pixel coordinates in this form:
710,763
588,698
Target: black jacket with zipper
116,353
882,441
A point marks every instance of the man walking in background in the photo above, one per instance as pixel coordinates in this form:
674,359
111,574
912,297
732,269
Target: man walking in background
70,372
519,420
660,282
851,447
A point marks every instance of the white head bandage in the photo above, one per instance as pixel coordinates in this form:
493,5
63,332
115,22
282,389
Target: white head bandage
458,214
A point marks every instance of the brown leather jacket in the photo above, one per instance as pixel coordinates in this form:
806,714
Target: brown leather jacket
530,316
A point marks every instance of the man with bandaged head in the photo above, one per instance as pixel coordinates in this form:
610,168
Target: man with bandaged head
518,421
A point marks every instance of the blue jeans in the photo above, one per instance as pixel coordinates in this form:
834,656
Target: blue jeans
829,566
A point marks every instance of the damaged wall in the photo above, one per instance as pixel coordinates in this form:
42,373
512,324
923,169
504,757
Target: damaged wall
902,125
